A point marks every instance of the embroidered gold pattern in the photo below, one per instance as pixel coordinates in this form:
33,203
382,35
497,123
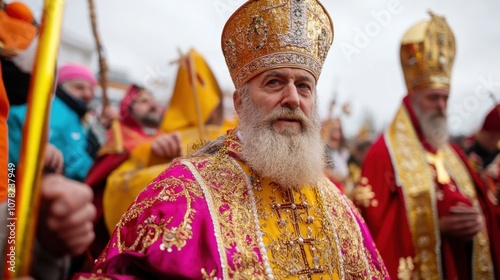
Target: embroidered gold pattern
257,33
152,228
417,182
231,202
215,220
356,258
377,272
104,254
94,277
316,233
263,35
309,230
363,194
297,29
405,268
300,238
207,276
298,241
427,54
275,60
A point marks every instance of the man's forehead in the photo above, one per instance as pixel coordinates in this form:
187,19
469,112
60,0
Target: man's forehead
432,91
297,73
143,94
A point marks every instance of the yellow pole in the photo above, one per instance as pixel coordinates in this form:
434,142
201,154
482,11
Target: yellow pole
34,138
193,77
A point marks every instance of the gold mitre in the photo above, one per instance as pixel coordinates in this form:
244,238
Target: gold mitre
427,54
269,34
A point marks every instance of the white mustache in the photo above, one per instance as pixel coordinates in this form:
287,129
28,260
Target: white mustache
287,113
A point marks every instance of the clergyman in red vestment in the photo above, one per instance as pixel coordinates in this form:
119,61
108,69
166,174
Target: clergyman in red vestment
420,197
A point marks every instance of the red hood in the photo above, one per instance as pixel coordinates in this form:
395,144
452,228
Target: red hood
126,118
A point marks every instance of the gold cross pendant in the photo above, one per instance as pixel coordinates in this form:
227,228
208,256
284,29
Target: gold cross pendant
437,160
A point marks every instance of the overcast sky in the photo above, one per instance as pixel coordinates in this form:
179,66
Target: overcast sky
142,38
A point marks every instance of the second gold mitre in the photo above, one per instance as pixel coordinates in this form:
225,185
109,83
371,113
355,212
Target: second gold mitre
268,34
427,54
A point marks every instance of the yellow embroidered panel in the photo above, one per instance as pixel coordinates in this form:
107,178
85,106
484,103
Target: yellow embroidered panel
299,242
415,178
311,233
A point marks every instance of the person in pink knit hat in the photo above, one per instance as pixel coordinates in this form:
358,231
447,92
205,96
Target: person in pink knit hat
79,82
74,71
67,130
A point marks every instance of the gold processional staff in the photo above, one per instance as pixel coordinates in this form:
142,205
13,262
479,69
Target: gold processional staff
34,137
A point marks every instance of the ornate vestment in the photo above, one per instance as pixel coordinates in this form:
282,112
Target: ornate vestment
412,185
211,217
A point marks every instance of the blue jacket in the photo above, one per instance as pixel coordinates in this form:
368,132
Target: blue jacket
65,132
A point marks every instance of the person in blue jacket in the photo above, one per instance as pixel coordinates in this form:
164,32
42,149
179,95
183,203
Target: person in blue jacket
67,132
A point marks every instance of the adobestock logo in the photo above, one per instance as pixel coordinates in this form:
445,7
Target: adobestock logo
156,78
482,92
225,8
364,36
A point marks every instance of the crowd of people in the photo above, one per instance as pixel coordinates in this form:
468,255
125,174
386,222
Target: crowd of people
278,195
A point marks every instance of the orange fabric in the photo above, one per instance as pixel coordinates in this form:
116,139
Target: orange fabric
4,151
20,11
15,34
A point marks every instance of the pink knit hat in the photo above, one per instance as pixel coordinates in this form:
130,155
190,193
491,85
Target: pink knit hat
75,71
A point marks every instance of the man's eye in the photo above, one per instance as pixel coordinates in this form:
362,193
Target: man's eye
273,82
304,86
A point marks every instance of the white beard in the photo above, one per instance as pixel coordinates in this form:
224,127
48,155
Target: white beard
434,127
291,159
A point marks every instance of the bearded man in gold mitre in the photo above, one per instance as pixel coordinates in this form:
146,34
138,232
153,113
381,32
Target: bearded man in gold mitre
419,196
253,204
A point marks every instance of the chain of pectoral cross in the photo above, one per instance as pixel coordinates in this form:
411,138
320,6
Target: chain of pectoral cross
296,210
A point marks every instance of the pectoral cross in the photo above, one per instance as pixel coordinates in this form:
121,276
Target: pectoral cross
294,212
438,162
